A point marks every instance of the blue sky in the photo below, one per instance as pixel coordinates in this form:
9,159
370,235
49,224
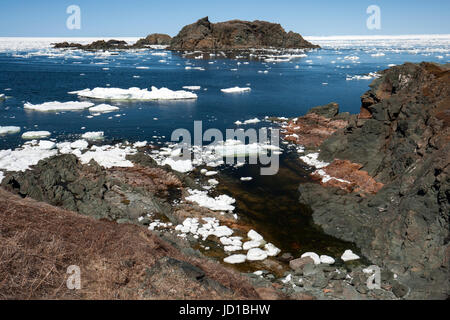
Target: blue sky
47,18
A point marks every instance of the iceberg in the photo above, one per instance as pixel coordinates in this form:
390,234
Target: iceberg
58,106
134,94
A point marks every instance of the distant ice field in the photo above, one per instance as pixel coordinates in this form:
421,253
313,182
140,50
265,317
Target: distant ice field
284,84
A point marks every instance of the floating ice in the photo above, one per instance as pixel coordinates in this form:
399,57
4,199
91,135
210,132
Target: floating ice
58,106
99,135
235,259
9,130
271,250
255,236
236,90
326,259
313,256
108,156
220,203
193,88
369,76
348,255
35,134
179,165
28,155
134,94
250,121
256,254
103,108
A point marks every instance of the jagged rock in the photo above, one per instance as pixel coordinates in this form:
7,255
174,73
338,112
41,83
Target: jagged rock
153,39
298,264
236,34
400,139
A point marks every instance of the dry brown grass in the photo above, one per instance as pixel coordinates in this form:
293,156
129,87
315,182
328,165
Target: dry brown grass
38,242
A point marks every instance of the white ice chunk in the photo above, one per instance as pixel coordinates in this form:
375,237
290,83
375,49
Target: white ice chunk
9,130
103,108
313,256
235,259
135,94
236,90
256,254
35,134
326,259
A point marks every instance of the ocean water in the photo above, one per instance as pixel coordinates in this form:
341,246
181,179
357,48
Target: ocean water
32,72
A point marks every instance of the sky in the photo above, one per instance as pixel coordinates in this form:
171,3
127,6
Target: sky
136,18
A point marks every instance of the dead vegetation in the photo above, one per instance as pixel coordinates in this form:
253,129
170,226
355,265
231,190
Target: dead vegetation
38,242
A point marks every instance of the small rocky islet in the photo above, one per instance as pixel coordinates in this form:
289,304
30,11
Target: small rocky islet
378,179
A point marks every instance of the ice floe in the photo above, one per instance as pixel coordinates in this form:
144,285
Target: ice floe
220,203
312,160
98,135
103,108
28,155
313,256
235,259
134,94
9,130
36,134
59,106
236,90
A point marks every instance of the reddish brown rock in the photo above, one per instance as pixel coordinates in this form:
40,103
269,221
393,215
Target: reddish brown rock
354,179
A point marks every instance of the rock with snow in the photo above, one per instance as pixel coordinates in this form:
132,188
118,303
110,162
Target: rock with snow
98,135
220,203
256,254
236,90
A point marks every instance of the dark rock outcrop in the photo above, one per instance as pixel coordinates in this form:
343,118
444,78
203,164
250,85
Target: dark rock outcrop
401,139
236,34
96,45
153,39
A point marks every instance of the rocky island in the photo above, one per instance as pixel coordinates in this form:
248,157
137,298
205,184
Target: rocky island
210,37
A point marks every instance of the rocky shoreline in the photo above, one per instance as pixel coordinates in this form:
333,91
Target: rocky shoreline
384,174
233,38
